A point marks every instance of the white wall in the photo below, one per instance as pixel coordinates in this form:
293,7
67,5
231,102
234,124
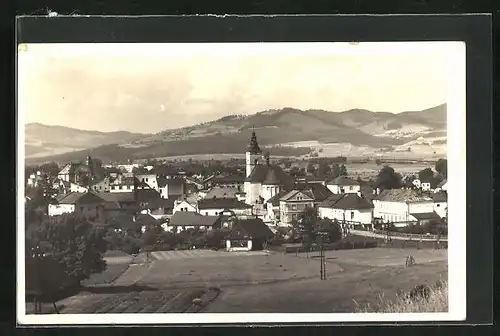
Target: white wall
269,191
184,206
364,216
252,191
149,179
421,207
336,189
440,208
391,211
77,188
59,209
216,212
124,188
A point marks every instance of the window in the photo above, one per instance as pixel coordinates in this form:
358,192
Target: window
294,207
351,188
146,179
206,213
352,215
438,205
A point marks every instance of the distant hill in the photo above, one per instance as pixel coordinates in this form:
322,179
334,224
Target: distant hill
45,140
287,127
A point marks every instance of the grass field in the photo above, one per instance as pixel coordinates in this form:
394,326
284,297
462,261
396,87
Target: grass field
340,293
274,283
238,270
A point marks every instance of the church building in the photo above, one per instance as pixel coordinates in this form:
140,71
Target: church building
263,179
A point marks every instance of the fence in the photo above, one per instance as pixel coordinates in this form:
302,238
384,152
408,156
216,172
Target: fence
412,236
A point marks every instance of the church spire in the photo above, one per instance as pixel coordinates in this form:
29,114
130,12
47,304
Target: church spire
253,146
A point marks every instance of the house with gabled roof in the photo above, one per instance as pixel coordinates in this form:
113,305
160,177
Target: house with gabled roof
216,206
184,220
349,208
184,205
273,208
402,206
440,200
293,203
343,184
248,235
87,204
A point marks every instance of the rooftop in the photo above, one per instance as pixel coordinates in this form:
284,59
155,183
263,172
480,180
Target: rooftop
403,195
222,203
250,228
343,181
185,218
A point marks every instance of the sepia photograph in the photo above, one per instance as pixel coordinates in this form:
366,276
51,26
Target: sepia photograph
241,182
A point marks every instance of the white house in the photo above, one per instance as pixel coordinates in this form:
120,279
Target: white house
184,206
400,206
293,203
343,184
216,206
149,179
190,220
349,207
273,209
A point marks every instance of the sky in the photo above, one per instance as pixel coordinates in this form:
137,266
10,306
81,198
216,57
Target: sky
148,88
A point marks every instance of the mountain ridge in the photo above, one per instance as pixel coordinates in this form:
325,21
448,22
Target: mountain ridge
278,128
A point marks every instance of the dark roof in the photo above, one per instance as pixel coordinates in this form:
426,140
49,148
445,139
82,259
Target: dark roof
403,195
253,146
443,182
222,203
163,181
318,191
82,198
186,218
351,201
440,197
145,219
261,172
220,192
426,216
120,197
250,228
343,180
229,179
275,200
167,203
146,195
331,200
123,220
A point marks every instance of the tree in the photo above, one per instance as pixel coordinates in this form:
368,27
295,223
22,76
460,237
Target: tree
426,175
323,169
74,243
305,225
387,178
330,230
442,167
335,171
51,169
343,170
310,168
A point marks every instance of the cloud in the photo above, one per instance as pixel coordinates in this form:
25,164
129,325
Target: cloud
149,94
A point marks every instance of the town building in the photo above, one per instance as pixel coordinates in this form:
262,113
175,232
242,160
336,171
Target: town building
403,206
182,220
349,208
293,203
248,235
343,184
263,179
216,206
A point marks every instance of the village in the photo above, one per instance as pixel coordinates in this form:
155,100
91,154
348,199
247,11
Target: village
147,224
262,200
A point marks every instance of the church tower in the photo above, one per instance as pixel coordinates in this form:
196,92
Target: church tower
253,154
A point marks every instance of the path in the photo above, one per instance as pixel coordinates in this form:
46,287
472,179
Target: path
393,237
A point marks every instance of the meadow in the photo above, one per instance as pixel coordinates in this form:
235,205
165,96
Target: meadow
260,282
